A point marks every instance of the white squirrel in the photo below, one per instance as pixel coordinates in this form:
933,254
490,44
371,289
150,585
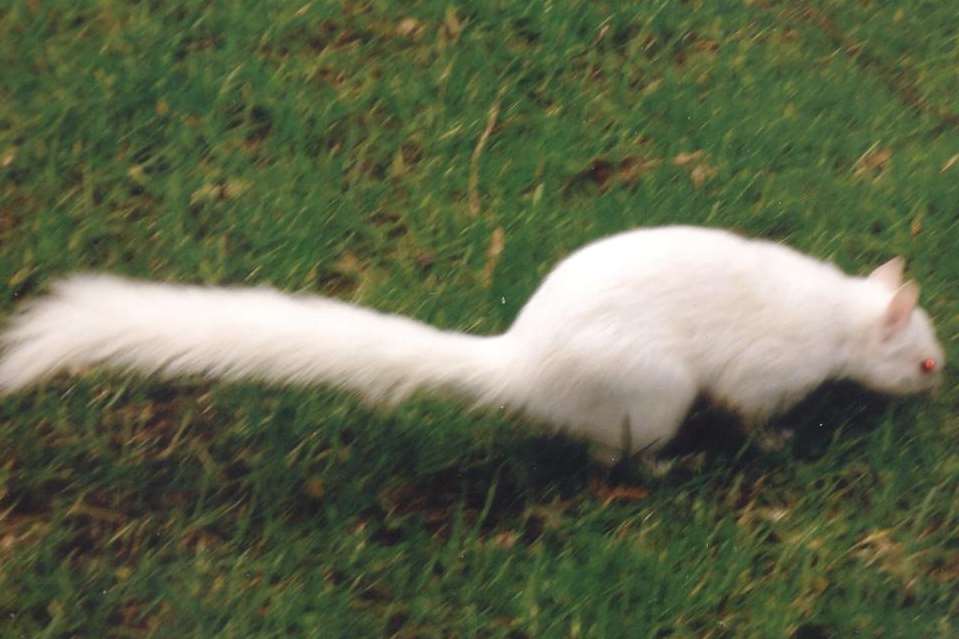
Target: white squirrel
613,347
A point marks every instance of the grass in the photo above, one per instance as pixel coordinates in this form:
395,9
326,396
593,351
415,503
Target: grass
332,147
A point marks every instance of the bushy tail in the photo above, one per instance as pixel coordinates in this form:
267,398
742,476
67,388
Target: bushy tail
253,333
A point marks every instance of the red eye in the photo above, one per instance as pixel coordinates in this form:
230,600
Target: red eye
928,365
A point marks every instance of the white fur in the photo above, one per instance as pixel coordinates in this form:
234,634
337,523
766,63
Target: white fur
615,345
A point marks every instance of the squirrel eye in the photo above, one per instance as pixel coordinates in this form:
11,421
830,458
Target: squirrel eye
928,365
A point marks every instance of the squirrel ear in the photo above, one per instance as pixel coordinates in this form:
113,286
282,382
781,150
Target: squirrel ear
890,273
900,308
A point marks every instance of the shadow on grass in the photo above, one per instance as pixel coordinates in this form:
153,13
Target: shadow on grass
502,486
506,485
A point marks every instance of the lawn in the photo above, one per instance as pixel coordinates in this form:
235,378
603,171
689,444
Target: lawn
436,159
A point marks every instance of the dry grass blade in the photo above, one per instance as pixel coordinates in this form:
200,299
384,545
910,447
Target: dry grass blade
497,242
474,198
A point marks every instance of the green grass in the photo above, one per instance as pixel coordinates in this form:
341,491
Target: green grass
329,147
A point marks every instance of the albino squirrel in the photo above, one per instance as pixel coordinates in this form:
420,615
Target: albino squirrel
614,347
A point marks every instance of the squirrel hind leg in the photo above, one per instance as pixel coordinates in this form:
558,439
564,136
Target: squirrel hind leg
652,418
